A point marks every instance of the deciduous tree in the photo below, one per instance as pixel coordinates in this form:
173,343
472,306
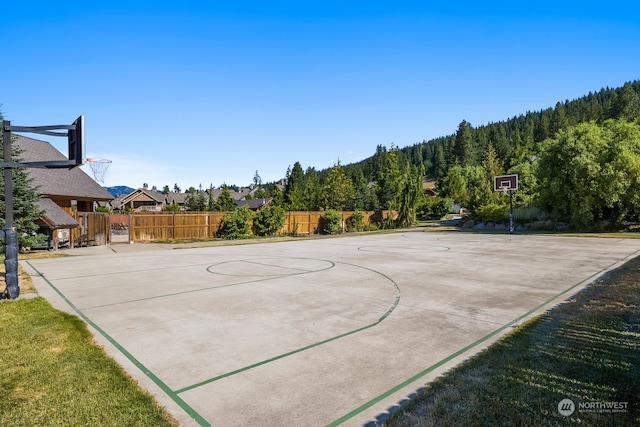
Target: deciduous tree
591,173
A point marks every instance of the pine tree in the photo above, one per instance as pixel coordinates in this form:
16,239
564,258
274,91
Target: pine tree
625,105
211,203
337,190
464,148
311,190
25,199
440,162
225,202
559,120
294,188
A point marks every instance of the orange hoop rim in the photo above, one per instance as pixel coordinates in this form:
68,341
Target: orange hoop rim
96,160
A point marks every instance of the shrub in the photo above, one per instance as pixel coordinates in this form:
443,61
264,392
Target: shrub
442,206
542,226
355,222
434,208
529,214
494,212
331,222
268,220
236,225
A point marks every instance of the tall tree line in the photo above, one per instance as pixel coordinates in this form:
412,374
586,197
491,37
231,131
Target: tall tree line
463,163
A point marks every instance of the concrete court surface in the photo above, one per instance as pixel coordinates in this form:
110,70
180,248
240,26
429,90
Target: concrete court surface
314,332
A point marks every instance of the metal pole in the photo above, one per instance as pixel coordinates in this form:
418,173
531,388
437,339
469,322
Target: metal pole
511,229
10,234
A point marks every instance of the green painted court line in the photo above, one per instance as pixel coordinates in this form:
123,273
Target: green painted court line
174,394
282,356
273,359
317,344
421,374
188,409
208,288
191,291
142,270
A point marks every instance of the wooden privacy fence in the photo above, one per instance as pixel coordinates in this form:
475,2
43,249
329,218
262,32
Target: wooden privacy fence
174,226
145,227
94,229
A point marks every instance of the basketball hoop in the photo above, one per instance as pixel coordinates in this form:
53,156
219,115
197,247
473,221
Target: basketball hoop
98,167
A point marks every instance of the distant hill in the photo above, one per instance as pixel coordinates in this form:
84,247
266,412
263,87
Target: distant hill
119,190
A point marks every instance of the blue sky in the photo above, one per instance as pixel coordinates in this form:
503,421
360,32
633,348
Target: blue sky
208,92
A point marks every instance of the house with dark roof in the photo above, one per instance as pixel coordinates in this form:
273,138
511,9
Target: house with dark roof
62,191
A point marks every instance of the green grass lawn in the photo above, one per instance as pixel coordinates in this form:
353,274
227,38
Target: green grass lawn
51,374
586,349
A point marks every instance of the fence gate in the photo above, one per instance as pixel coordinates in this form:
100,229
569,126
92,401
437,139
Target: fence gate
120,228
93,229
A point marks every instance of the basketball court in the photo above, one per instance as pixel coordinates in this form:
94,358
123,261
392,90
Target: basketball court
315,332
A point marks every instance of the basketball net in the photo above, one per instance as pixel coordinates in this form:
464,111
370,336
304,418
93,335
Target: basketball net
98,167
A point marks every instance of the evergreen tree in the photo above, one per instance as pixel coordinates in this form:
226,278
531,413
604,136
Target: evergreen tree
542,132
378,162
361,190
559,120
211,203
257,181
294,189
389,180
276,195
337,190
464,148
440,162
410,195
626,104
517,150
498,138
225,202
311,190
195,201
454,184
25,199
491,167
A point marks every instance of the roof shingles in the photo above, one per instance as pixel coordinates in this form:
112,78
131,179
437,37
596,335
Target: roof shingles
73,183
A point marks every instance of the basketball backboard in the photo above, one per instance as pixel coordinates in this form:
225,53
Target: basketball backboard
505,183
76,141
